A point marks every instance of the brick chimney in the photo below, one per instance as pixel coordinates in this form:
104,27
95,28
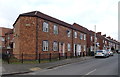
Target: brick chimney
104,35
109,37
99,33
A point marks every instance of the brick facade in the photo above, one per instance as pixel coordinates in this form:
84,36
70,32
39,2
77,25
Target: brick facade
3,31
29,36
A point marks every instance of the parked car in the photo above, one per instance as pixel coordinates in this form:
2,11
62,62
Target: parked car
109,52
101,53
118,51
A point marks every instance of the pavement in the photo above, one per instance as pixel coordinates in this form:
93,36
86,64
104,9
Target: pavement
13,69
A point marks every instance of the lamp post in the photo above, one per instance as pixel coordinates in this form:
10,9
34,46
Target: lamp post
95,39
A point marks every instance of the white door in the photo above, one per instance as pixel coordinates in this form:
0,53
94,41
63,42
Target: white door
63,50
78,49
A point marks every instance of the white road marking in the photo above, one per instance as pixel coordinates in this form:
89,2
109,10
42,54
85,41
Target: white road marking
90,72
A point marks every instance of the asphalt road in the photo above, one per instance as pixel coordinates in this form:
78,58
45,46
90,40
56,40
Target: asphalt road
94,66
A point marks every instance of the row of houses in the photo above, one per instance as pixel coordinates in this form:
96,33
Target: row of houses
35,32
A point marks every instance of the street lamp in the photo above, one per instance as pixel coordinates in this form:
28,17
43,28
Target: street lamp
95,39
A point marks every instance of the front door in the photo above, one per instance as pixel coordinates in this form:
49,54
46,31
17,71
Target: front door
75,49
78,49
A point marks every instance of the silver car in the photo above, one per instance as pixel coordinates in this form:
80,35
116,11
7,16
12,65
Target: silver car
101,53
110,52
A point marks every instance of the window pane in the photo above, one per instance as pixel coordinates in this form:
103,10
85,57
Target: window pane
81,36
45,45
54,46
13,45
68,33
2,39
75,34
55,29
84,36
84,48
45,26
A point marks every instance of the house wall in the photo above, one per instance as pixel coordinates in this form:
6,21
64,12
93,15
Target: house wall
61,37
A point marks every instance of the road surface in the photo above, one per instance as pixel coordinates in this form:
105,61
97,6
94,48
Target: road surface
94,66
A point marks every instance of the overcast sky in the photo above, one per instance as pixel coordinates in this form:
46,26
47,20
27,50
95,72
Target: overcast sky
102,13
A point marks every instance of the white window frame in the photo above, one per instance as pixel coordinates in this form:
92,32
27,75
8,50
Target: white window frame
103,41
14,45
91,48
69,33
96,38
55,46
8,37
2,39
91,38
84,47
69,47
45,45
55,28
45,27
75,34
84,36
81,36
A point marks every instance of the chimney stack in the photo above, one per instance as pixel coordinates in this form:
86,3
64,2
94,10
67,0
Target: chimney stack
104,35
99,33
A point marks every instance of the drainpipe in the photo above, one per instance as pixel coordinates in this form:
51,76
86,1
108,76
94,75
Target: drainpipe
72,42
36,36
95,40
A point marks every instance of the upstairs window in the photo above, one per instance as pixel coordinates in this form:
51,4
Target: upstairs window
75,34
96,39
55,46
45,27
81,36
55,29
103,41
84,36
68,33
45,45
91,38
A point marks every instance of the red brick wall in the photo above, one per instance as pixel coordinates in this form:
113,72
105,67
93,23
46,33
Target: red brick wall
51,37
28,35
16,34
25,41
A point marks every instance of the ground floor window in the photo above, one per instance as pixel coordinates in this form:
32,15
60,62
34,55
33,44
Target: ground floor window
45,45
55,46
84,47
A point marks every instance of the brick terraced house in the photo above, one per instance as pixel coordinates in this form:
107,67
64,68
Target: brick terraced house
35,32
3,31
80,39
9,41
